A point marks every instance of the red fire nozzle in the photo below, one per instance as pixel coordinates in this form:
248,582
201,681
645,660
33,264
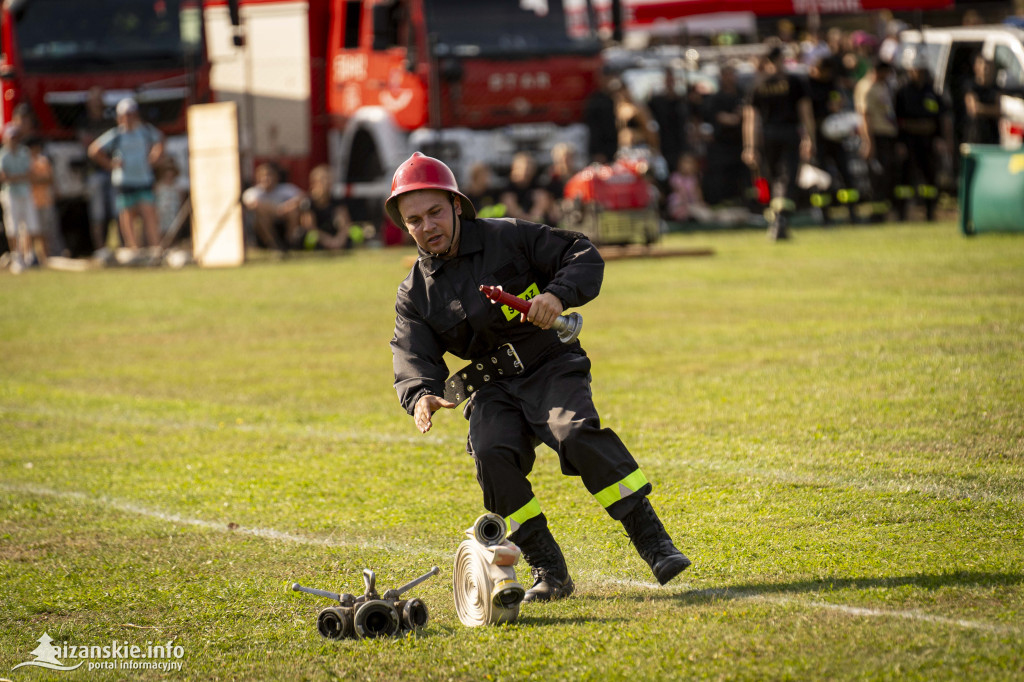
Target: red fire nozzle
568,326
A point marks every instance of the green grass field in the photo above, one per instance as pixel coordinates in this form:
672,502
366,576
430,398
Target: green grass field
834,428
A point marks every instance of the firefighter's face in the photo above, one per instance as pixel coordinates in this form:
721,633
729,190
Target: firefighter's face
428,217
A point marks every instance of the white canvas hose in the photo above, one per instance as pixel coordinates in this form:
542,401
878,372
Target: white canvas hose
485,586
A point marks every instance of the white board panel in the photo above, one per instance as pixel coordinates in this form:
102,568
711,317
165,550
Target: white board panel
215,176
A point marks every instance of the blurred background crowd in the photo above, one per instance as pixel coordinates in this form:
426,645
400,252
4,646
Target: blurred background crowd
846,119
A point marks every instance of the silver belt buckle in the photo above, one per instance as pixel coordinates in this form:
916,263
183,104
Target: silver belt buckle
510,350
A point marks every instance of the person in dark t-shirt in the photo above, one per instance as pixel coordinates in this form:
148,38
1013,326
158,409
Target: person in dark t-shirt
726,177
778,129
982,102
923,123
827,101
670,111
324,219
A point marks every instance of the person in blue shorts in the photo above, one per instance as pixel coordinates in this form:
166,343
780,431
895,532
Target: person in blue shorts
129,151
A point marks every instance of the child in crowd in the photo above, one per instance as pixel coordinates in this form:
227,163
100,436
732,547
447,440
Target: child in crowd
522,195
166,194
324,219
685,201
43,197
486,199
20,218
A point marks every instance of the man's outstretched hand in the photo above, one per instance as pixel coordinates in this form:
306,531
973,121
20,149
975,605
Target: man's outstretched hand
425,409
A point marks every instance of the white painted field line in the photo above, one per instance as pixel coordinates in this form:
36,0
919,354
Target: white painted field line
864,612
282,536
908,615
264,533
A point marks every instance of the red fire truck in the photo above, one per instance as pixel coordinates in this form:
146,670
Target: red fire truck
54,51
360,84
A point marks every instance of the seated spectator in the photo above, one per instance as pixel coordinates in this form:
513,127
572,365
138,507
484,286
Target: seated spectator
523,196
552,182
324,218
20,218
685,201
273,207
485,197
563,166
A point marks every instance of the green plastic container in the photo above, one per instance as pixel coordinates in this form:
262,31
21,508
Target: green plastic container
991,189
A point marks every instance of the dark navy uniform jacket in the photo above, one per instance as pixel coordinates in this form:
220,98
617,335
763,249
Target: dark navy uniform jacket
440,308
919,110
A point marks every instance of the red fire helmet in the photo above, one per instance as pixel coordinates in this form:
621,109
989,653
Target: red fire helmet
424,172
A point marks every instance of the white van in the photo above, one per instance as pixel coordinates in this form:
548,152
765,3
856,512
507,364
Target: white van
950,54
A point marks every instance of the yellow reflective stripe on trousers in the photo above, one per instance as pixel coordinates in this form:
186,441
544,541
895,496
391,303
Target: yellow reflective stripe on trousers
522,515
624,488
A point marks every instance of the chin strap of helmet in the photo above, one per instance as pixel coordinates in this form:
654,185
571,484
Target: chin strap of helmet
455,226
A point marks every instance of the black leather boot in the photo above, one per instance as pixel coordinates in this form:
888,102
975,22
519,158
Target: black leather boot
779,228
653,543
542,553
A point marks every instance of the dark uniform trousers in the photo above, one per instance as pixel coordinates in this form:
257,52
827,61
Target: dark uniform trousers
777,98
833,158
920,113
884,169
782,164
921,166
509,419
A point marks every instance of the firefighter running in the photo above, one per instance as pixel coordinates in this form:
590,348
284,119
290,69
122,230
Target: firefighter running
439,308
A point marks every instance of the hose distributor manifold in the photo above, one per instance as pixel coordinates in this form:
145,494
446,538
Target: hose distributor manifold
486,590
371,615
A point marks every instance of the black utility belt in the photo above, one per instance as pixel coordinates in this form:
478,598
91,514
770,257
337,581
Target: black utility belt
502,363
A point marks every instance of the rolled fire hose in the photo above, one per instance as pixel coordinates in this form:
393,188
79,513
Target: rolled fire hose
486,590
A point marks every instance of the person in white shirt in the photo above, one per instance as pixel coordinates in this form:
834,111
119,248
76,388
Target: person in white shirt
273,207
20,218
